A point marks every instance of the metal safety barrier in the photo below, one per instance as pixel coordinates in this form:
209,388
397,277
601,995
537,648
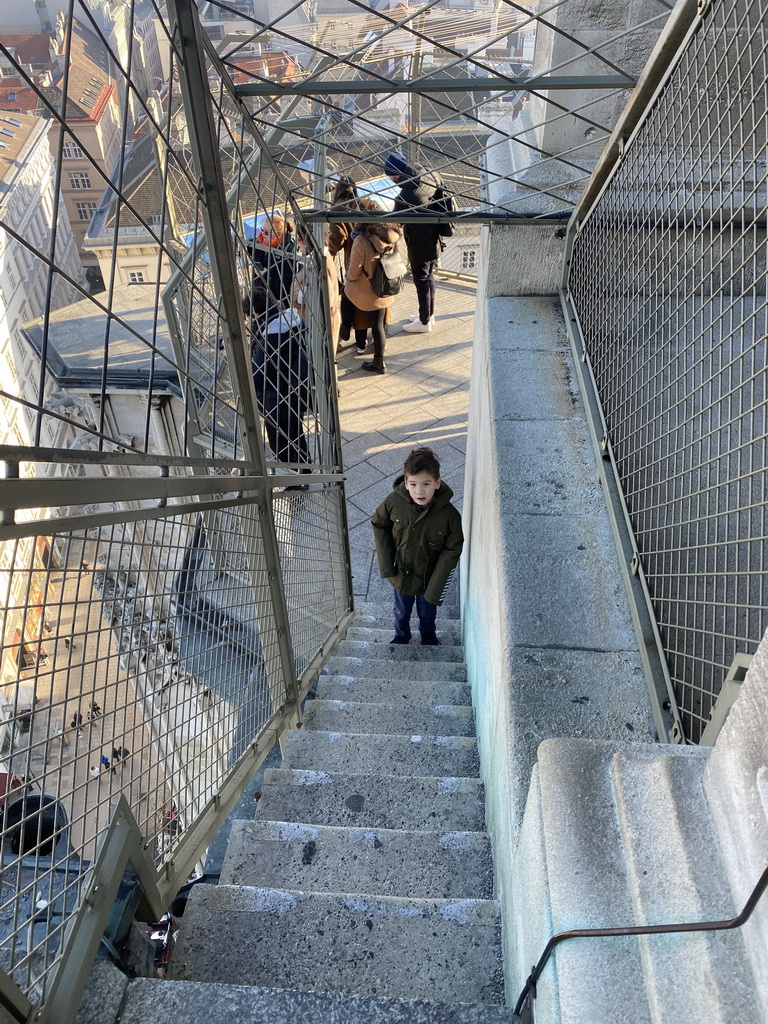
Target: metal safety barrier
665,295
174,564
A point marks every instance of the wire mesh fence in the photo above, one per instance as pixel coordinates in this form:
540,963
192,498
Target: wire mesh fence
173,555
668,278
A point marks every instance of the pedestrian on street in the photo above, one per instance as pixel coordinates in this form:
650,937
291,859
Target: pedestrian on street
94,772
419,188
104,762
94,710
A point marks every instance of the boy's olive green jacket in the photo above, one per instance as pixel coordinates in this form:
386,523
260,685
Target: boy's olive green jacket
417,548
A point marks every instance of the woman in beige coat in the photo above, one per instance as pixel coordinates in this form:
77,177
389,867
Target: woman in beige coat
370,241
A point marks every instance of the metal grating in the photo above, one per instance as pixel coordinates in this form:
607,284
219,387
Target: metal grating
668,280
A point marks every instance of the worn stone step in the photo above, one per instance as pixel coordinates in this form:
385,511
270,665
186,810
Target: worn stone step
384,862
373,801
182,1002
448,632
414,651
379,616
676,872
392,669
421,949
389,719
586,875
383,691
361,753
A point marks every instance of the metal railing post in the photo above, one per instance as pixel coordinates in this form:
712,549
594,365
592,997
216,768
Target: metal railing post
185,25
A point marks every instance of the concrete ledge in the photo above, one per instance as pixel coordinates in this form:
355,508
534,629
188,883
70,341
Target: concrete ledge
547,630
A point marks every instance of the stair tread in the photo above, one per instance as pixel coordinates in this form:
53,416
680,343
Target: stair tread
403,691
389,719
360,753
365,610
448,631
380,668
414,651
386,946
391,862
178,1002
377,801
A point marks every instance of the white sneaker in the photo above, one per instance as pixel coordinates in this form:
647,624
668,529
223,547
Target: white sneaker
417,327
415,316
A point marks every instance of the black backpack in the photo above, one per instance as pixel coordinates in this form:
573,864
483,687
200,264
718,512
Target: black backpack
444,202
388,275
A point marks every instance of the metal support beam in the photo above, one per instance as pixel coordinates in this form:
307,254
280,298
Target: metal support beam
493,83
192,47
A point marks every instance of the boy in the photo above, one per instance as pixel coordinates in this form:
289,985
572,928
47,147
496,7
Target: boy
418,543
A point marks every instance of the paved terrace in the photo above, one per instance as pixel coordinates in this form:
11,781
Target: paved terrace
422,399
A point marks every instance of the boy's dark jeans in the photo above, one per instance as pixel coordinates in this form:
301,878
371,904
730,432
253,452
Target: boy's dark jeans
426,611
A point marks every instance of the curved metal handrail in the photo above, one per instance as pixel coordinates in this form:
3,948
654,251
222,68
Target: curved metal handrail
649,929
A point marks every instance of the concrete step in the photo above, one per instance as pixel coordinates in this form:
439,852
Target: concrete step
384,862
373,615
183,1002
452,756
448,632
373,801
677,874
383,691
392,669
586,877
419,949
414,651
389,719
616,835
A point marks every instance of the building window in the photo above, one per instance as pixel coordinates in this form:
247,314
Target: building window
79,179
11,97
469,259
85,210
71,150
136,277
11,277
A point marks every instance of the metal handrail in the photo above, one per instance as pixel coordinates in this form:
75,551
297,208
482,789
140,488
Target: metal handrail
642,929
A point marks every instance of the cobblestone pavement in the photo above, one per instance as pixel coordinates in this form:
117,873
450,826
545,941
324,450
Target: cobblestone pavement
422,399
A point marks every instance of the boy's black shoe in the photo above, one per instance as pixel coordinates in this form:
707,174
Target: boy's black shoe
400,640
373,366
429,640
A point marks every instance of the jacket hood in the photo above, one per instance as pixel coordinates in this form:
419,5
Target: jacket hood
382,236
442,496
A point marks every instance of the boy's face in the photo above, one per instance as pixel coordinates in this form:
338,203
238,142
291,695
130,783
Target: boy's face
421,487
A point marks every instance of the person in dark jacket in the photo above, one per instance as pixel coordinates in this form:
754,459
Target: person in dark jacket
418,189
273,267
281,376
418,543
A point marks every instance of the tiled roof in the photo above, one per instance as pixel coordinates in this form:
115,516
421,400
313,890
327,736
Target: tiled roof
15,130
16,95
31,49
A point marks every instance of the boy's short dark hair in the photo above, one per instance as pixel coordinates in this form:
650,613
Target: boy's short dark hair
422,460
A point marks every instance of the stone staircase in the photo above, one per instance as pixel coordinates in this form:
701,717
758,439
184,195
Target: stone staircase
362,892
